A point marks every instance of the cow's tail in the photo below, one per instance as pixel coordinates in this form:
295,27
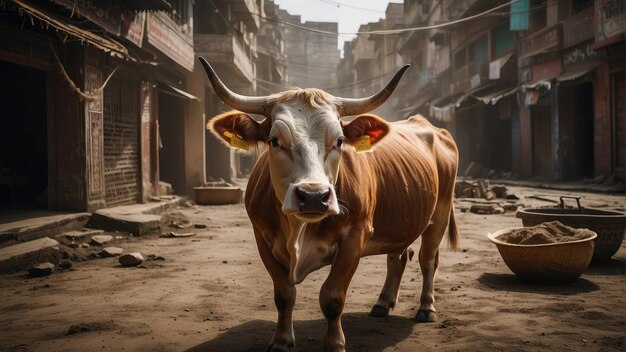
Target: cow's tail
453,234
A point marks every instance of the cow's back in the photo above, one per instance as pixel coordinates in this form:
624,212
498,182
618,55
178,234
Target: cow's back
412,169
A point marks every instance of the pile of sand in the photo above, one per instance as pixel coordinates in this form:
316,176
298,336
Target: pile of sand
544,233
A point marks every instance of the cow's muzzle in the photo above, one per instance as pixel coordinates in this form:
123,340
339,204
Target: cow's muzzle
311,202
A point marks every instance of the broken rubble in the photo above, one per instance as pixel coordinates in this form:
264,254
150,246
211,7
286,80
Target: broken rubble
22,255
131,259
111,252
174,234
41,269
100,240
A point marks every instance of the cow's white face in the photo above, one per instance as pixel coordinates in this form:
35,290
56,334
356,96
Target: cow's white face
304,153
305,137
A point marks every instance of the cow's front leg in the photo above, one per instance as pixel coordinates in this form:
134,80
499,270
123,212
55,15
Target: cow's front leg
284,298
333,294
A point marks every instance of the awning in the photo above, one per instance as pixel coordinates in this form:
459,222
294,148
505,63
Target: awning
544,83
469,93
569,76
176,92
107,45
492,96
442,109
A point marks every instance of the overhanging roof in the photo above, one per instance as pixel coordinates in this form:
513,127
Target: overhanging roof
177,92
494,93
107,45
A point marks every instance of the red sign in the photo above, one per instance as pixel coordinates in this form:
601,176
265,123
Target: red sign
133,25
165,35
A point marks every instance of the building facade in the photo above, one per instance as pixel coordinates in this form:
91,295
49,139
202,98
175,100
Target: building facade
93,89
533,89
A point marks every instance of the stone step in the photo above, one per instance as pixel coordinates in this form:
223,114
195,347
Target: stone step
137,219
46,226
23,255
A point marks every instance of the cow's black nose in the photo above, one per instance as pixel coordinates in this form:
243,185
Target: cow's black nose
315,201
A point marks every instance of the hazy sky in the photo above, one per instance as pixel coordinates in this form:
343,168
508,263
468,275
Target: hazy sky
349,18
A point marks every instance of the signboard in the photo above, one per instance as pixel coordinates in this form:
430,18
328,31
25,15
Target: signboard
105,13
133,25
93,81
165,35
581,54
610,19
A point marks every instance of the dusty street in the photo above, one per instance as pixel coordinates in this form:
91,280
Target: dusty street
211,293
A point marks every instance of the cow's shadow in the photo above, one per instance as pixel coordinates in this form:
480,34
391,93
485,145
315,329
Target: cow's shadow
363,333
511,283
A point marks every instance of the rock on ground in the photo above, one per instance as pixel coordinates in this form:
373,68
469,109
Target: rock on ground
131,259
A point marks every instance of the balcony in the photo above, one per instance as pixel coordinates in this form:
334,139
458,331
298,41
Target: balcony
543,41
469,77
578,28
246,11
226,49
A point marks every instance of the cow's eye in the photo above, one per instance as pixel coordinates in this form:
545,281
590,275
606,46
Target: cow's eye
340,142
273,141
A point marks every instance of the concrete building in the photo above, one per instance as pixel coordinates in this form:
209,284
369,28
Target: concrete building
571,71
226,35
94,98
535,88
312,57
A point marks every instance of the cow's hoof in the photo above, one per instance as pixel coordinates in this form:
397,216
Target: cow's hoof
426,316
379,311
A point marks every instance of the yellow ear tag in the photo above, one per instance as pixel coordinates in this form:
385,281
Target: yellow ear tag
362,143
236,142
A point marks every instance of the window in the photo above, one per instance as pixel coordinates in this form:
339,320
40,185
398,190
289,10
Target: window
502,39
477,52
580,5
180,12
460,58
538,14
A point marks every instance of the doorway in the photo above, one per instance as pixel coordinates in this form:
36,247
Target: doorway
171,141
23,137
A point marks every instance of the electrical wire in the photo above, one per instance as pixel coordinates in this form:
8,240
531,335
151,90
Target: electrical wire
339,4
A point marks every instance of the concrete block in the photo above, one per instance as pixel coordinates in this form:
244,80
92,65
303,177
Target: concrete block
21,256
137,224
80,235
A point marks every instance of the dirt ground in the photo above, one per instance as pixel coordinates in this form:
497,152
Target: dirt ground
210,292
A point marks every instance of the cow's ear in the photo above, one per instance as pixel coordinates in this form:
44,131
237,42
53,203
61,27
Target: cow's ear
366,124
238,130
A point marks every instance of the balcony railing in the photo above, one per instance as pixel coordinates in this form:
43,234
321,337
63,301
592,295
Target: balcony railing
543,41
469,77
226,49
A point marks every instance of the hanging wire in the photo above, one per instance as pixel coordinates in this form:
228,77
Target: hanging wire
91,96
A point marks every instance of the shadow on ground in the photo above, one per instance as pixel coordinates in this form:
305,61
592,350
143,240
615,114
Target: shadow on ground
510,282
608,267
363,333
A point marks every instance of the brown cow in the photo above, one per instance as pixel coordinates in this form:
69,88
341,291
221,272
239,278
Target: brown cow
314,201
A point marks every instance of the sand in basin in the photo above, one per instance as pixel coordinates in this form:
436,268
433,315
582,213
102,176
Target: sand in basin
544,233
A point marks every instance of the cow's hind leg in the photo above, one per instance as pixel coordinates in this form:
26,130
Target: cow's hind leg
429,261
396,262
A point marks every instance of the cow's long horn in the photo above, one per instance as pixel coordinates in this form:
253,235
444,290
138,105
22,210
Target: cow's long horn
252,105
350,106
